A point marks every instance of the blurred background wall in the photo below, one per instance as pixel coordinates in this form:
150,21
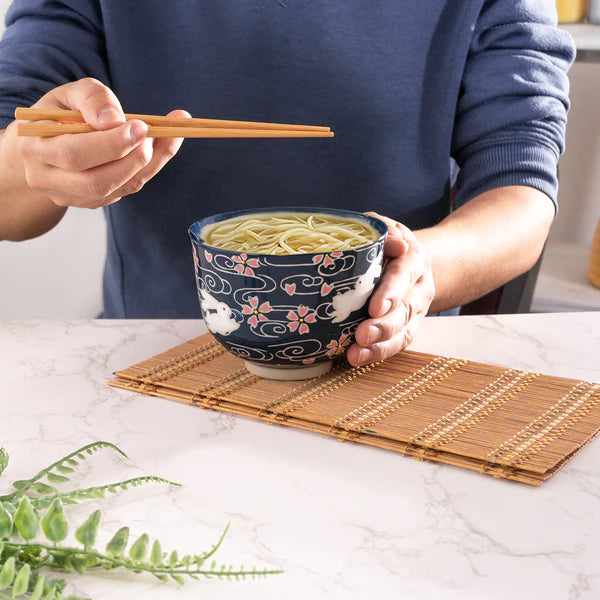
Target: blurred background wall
58,275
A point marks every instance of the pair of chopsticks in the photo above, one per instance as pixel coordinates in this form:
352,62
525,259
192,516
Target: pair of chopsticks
71,121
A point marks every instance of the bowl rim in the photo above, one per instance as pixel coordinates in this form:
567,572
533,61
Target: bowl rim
195,229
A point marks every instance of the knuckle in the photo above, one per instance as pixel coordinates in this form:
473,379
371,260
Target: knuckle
145,151
380,352
414,275
99,187
96,92
92,85
391,326
117,146
69,158
408,337
135,184
141,155
408,307
59,200
25,148
34,179
170,151
89,82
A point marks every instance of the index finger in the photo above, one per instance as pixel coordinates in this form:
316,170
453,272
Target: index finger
81,151
96,102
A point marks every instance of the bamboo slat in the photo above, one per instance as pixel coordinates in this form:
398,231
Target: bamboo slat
508,423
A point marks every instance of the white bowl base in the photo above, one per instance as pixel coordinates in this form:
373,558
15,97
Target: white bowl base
281,373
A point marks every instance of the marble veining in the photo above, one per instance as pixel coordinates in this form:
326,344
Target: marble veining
344,521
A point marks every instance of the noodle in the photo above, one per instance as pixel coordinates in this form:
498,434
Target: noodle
289,233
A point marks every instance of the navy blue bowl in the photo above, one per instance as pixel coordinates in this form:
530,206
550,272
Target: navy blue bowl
287,316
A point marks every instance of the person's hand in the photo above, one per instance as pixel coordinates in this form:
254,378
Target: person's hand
90,170
399,302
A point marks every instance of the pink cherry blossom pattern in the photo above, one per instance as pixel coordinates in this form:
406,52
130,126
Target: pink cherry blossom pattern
338,346
326,258
290,288
299,319
325,289
196,261
256,311
244,263
208,256
308,361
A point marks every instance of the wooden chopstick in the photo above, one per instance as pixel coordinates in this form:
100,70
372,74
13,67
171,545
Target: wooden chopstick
54,129
74,116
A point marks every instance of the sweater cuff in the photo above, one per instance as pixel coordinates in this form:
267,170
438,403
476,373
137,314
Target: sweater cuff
512,163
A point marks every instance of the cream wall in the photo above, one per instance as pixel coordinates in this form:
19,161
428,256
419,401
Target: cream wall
579,169
59,274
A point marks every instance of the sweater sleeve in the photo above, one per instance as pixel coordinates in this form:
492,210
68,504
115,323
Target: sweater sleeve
512,108
48,43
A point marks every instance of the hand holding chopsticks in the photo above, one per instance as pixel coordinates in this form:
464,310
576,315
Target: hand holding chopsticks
118,154
72,121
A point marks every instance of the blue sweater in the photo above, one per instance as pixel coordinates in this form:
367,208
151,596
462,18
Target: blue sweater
406,85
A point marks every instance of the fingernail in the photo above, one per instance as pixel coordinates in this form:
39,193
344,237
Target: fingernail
385,307
137,130
365,356
109,114
373,334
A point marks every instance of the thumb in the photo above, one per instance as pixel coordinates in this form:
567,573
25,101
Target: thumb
97,103
396,243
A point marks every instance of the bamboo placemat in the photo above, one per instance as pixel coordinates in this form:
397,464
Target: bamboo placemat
508,423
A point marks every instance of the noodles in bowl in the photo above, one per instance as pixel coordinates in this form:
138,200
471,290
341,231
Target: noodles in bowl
289,233
285,289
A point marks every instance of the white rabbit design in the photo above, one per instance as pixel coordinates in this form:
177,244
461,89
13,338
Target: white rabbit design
221,320
348,302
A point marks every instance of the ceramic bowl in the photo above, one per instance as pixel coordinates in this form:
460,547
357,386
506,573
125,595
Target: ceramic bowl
287,316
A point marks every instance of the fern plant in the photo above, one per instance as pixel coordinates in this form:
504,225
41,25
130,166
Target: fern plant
37,504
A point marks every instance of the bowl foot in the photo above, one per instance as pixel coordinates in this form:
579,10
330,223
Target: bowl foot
283,373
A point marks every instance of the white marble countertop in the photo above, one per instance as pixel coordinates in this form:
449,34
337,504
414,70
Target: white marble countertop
343,520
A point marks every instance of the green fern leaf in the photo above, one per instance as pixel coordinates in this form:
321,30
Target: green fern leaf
7,573
50,594
54,478
6,522
139,548
116,546
86,534
44,489
156,554
3,459
54,522
38,588
26,519
79,562
21,582
64,469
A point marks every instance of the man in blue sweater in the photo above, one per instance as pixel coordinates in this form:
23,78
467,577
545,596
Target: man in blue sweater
408,87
